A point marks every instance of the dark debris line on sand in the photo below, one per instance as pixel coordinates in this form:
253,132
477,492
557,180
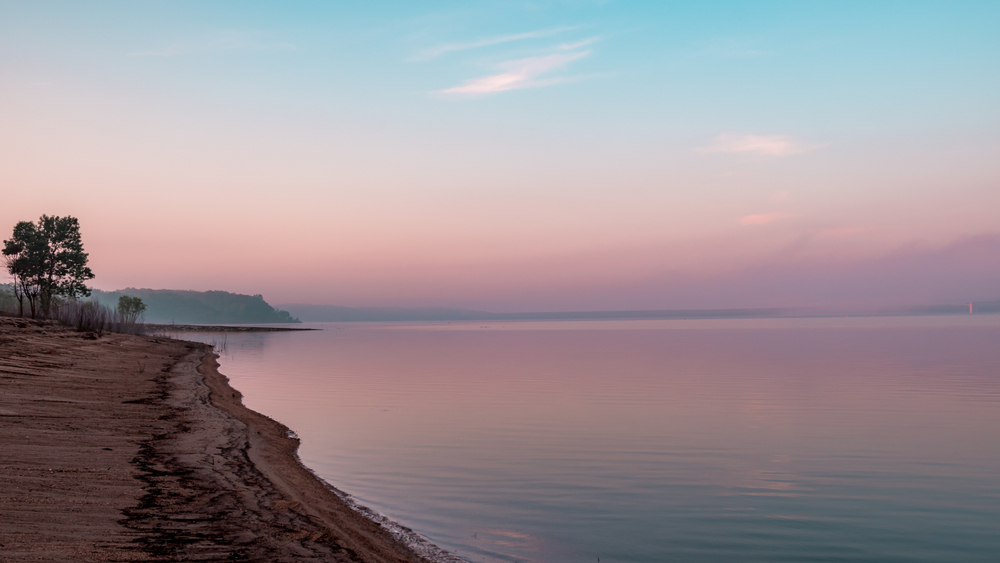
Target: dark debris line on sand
204,512
102,461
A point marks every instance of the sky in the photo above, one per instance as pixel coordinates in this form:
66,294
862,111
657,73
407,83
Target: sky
514,156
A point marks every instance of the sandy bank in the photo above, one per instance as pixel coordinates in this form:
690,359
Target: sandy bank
129,448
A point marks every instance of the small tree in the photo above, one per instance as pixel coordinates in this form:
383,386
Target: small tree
131,309
47,260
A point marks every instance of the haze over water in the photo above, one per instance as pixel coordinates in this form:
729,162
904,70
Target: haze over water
753,440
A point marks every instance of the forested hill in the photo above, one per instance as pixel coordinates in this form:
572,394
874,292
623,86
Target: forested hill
167,306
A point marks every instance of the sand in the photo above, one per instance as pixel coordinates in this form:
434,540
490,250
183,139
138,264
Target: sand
129,448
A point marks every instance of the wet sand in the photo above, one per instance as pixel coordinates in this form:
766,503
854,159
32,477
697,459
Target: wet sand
130,448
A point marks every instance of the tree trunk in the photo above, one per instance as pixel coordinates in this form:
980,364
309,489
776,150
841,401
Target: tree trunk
32,302
19,293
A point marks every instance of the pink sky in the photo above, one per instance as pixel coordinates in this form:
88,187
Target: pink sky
585,227
544,166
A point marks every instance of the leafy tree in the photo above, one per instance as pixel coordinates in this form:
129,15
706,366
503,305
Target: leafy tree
131,309
20,255
47,260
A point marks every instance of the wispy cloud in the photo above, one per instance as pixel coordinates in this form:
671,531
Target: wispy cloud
439,50
765,145
763,218
577,44
221,41
518,74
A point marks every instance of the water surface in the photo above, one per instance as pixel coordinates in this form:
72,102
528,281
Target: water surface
637,441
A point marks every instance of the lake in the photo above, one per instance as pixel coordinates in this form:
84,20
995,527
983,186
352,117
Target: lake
868,439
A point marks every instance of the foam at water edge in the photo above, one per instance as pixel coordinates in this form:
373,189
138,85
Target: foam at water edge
419,544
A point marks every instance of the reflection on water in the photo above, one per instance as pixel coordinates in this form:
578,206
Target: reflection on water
771,440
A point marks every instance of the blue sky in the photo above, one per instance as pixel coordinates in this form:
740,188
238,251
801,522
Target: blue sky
693,65
401,137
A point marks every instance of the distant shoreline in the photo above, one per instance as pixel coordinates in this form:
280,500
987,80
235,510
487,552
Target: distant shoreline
336,313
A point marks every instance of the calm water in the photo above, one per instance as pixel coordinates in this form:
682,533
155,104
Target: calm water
769,440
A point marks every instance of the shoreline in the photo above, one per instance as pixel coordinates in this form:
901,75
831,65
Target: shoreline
131,448
151,328
273,448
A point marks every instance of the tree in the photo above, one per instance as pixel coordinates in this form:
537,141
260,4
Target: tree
47,260
21,257
131,309
65,265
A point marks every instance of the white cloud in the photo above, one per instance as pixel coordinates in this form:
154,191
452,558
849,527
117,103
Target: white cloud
518,74
766,145
486,42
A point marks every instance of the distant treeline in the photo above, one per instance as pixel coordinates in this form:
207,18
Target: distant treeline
166,306
335,313
977,307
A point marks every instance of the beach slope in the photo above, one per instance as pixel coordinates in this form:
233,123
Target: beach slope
127,448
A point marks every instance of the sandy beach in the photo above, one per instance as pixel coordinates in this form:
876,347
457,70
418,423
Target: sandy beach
131,448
